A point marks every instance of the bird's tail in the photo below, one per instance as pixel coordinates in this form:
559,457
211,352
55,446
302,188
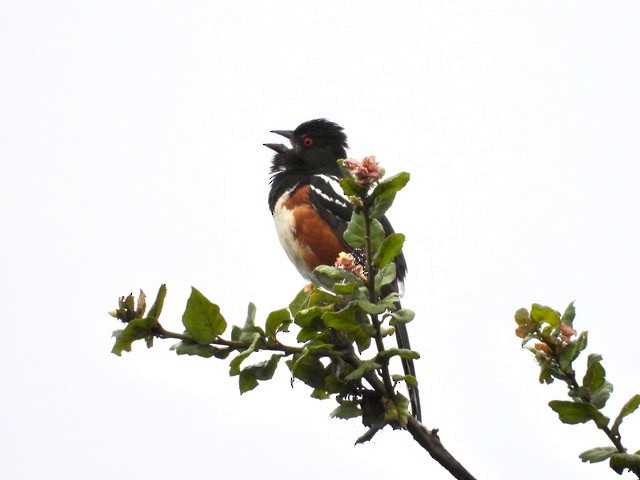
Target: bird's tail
402,337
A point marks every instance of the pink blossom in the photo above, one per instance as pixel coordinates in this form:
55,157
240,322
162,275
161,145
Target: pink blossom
366,171
347,262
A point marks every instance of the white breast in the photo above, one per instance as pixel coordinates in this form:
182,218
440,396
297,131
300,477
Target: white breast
285,226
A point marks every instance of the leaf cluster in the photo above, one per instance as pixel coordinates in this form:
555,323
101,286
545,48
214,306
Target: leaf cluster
333,327
557,345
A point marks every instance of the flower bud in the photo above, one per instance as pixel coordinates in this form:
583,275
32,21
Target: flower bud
544,348
521,316
567,331
522,331
142,303
347,261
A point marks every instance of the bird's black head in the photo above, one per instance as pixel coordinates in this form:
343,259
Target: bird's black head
316,145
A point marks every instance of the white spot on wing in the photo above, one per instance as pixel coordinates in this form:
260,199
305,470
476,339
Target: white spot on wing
338,198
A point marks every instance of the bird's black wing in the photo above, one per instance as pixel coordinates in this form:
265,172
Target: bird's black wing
333,207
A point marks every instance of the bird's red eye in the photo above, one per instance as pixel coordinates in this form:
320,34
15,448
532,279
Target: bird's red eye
307,142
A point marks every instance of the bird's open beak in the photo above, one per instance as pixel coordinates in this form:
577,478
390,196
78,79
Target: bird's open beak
277,147
285,133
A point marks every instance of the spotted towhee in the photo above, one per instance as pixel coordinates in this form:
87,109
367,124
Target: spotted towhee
310,215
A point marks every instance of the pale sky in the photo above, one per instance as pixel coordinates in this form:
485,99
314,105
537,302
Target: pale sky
131,145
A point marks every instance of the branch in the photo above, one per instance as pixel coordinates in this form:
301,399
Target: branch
430,441
161,333
574,385
558,347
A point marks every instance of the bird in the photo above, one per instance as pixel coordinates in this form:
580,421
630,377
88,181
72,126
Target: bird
310,215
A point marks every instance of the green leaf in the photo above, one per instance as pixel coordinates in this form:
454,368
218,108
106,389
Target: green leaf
370,308
385,276
344,288
579,393
247,332
404,353
320,394
319,344
206,351
391,185
136,329
389,249
567,356
347,410
126,310
309,369
381,205
349,186
620,461
234,365
333,385
402,316
598,454
594,380
540,313
600,396
377,235
363,340
262,371
545,367
593,358
202,319
305,334
130,303
301,301
365,366
311,317
582,341
390,301
236,331
574,412
246,382
627,409
399,411
343,320
571,412
323,297
568,315
156,308
354,234
408,379
277,321
251,315
337,274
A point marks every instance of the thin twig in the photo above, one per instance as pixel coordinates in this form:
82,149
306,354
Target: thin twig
161,333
